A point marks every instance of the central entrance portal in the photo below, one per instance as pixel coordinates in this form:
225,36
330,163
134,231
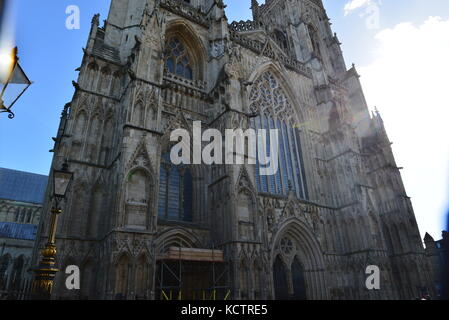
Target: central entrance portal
192,274
289,283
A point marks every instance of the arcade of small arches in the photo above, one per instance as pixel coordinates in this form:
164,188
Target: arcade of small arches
20,214
296,271
13,272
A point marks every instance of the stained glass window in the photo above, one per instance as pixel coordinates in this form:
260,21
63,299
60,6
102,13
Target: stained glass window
269,101
175,191
177,59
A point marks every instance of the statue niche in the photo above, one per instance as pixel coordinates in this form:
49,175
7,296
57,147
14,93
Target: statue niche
137,199
245,213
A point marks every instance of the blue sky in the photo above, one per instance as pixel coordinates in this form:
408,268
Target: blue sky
402,60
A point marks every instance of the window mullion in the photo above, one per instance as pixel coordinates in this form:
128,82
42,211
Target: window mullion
181,195
167,189
291,144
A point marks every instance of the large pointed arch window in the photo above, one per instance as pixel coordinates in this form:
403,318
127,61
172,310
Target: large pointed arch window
175,191
269,102
177,59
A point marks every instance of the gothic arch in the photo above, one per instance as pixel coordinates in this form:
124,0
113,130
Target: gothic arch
246,208
4,212
179,122
285,85
141,159
80,123
88,280
281,39
275,106
122,276
198,173
96,210
11,214
196,50
107,138
91,75
96,127
105,80
139,198
5,264
258,279
177,237
138,115
143,276
280,280
314,39
244,182
244,278
93,65
115,83
17,272
74,222
64,262
307,250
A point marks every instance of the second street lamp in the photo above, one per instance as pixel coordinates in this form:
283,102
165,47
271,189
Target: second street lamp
46,272
13,81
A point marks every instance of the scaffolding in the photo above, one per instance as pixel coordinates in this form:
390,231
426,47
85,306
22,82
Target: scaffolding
192,274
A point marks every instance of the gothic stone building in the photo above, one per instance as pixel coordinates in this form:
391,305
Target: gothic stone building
140,227
21,200
438,253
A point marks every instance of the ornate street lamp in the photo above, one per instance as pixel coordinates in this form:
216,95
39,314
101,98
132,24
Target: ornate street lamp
13,81
45,274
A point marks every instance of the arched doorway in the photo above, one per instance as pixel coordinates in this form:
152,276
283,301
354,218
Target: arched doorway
298,264
299,283
289,283
17,274
186,271
280,280
4,264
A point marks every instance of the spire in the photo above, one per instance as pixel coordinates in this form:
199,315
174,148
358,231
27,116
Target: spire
255,8
96,20
93,32
445,236
428,238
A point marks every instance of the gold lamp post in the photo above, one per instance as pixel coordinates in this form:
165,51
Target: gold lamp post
13,81
46,272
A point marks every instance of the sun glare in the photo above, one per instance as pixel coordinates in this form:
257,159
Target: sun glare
6,64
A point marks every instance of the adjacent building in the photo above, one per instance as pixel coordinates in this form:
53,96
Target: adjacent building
21,200
438,252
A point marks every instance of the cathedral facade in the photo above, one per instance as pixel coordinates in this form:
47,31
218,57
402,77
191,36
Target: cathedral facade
140,227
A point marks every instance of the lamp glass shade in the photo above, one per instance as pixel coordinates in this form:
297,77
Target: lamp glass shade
62,181
13,80
12,88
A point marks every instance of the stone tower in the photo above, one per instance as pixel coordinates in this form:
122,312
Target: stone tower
139,226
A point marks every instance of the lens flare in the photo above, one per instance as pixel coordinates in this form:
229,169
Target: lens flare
6,65
7,39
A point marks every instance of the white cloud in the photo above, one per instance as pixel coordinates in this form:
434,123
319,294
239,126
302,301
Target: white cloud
355,4
408,83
